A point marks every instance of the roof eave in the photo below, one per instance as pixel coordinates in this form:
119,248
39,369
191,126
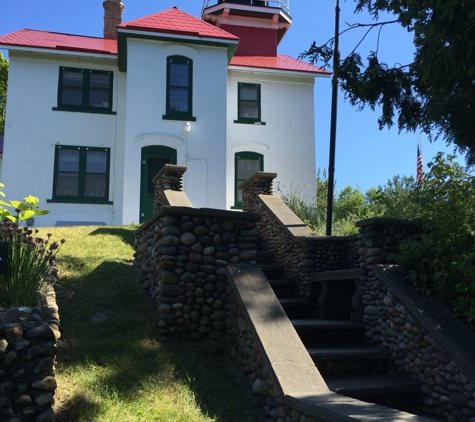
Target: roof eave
124,34
58,50
279,71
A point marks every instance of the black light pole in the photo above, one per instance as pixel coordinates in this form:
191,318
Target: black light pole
331,163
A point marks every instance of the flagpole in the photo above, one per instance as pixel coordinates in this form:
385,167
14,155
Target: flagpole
331,163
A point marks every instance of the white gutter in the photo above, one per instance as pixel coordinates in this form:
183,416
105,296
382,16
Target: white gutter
279,72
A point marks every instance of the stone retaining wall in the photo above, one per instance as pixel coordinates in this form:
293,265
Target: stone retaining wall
245,347
293,244
448,393
27,355
182,254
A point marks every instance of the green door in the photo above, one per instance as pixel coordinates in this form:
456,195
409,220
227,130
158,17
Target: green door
153,160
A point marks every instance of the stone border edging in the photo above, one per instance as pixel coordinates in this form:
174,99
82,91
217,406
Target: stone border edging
450,332
290,367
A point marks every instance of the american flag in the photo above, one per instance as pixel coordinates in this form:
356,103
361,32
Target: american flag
420,164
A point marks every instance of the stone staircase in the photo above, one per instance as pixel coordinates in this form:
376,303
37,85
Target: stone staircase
333,334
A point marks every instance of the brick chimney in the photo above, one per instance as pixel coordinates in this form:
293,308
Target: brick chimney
112,17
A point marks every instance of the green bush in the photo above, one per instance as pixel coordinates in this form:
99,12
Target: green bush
349,206
395,199
30,265
442,260
31,259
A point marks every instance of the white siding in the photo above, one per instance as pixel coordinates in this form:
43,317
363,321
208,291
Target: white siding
33,129
145,126
287,140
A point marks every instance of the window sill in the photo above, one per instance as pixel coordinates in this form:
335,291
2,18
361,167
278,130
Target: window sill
85,110
236,207
78,201
250,122
180,118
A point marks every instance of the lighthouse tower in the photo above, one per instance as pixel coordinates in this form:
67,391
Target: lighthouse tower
259,24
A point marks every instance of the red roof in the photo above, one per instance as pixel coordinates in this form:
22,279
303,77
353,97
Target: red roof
281,62
56,41
174,21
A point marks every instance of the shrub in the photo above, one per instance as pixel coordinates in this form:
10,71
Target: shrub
24,210
395,199
442,260
349,206
30,265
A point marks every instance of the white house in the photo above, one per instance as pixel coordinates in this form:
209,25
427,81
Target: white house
90,121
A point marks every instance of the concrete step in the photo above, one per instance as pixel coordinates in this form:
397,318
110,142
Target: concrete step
296,307
337,275
328,333
294,303
264,257
265,253
282,283
376,385
369,353
271,267
326,324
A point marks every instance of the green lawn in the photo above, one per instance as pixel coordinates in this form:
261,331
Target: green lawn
111,366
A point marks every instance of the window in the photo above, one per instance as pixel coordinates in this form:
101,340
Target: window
249,104
179,88
246,164
81,174
85,90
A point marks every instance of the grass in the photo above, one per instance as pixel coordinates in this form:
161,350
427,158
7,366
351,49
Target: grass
110,364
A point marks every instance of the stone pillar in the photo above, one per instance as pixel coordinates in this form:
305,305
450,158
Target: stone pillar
260,183
170,177
112,17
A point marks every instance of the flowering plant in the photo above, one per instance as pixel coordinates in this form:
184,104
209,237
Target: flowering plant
30,265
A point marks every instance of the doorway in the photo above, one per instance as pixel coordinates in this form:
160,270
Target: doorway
153,160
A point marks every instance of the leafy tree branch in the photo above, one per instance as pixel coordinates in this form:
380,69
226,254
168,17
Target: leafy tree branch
436,91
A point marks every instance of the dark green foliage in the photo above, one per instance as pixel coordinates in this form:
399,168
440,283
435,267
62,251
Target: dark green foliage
349,206
442,260
435,92
395,199
31,265
3,90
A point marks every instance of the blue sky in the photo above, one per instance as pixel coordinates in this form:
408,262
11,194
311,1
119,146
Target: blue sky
365,156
